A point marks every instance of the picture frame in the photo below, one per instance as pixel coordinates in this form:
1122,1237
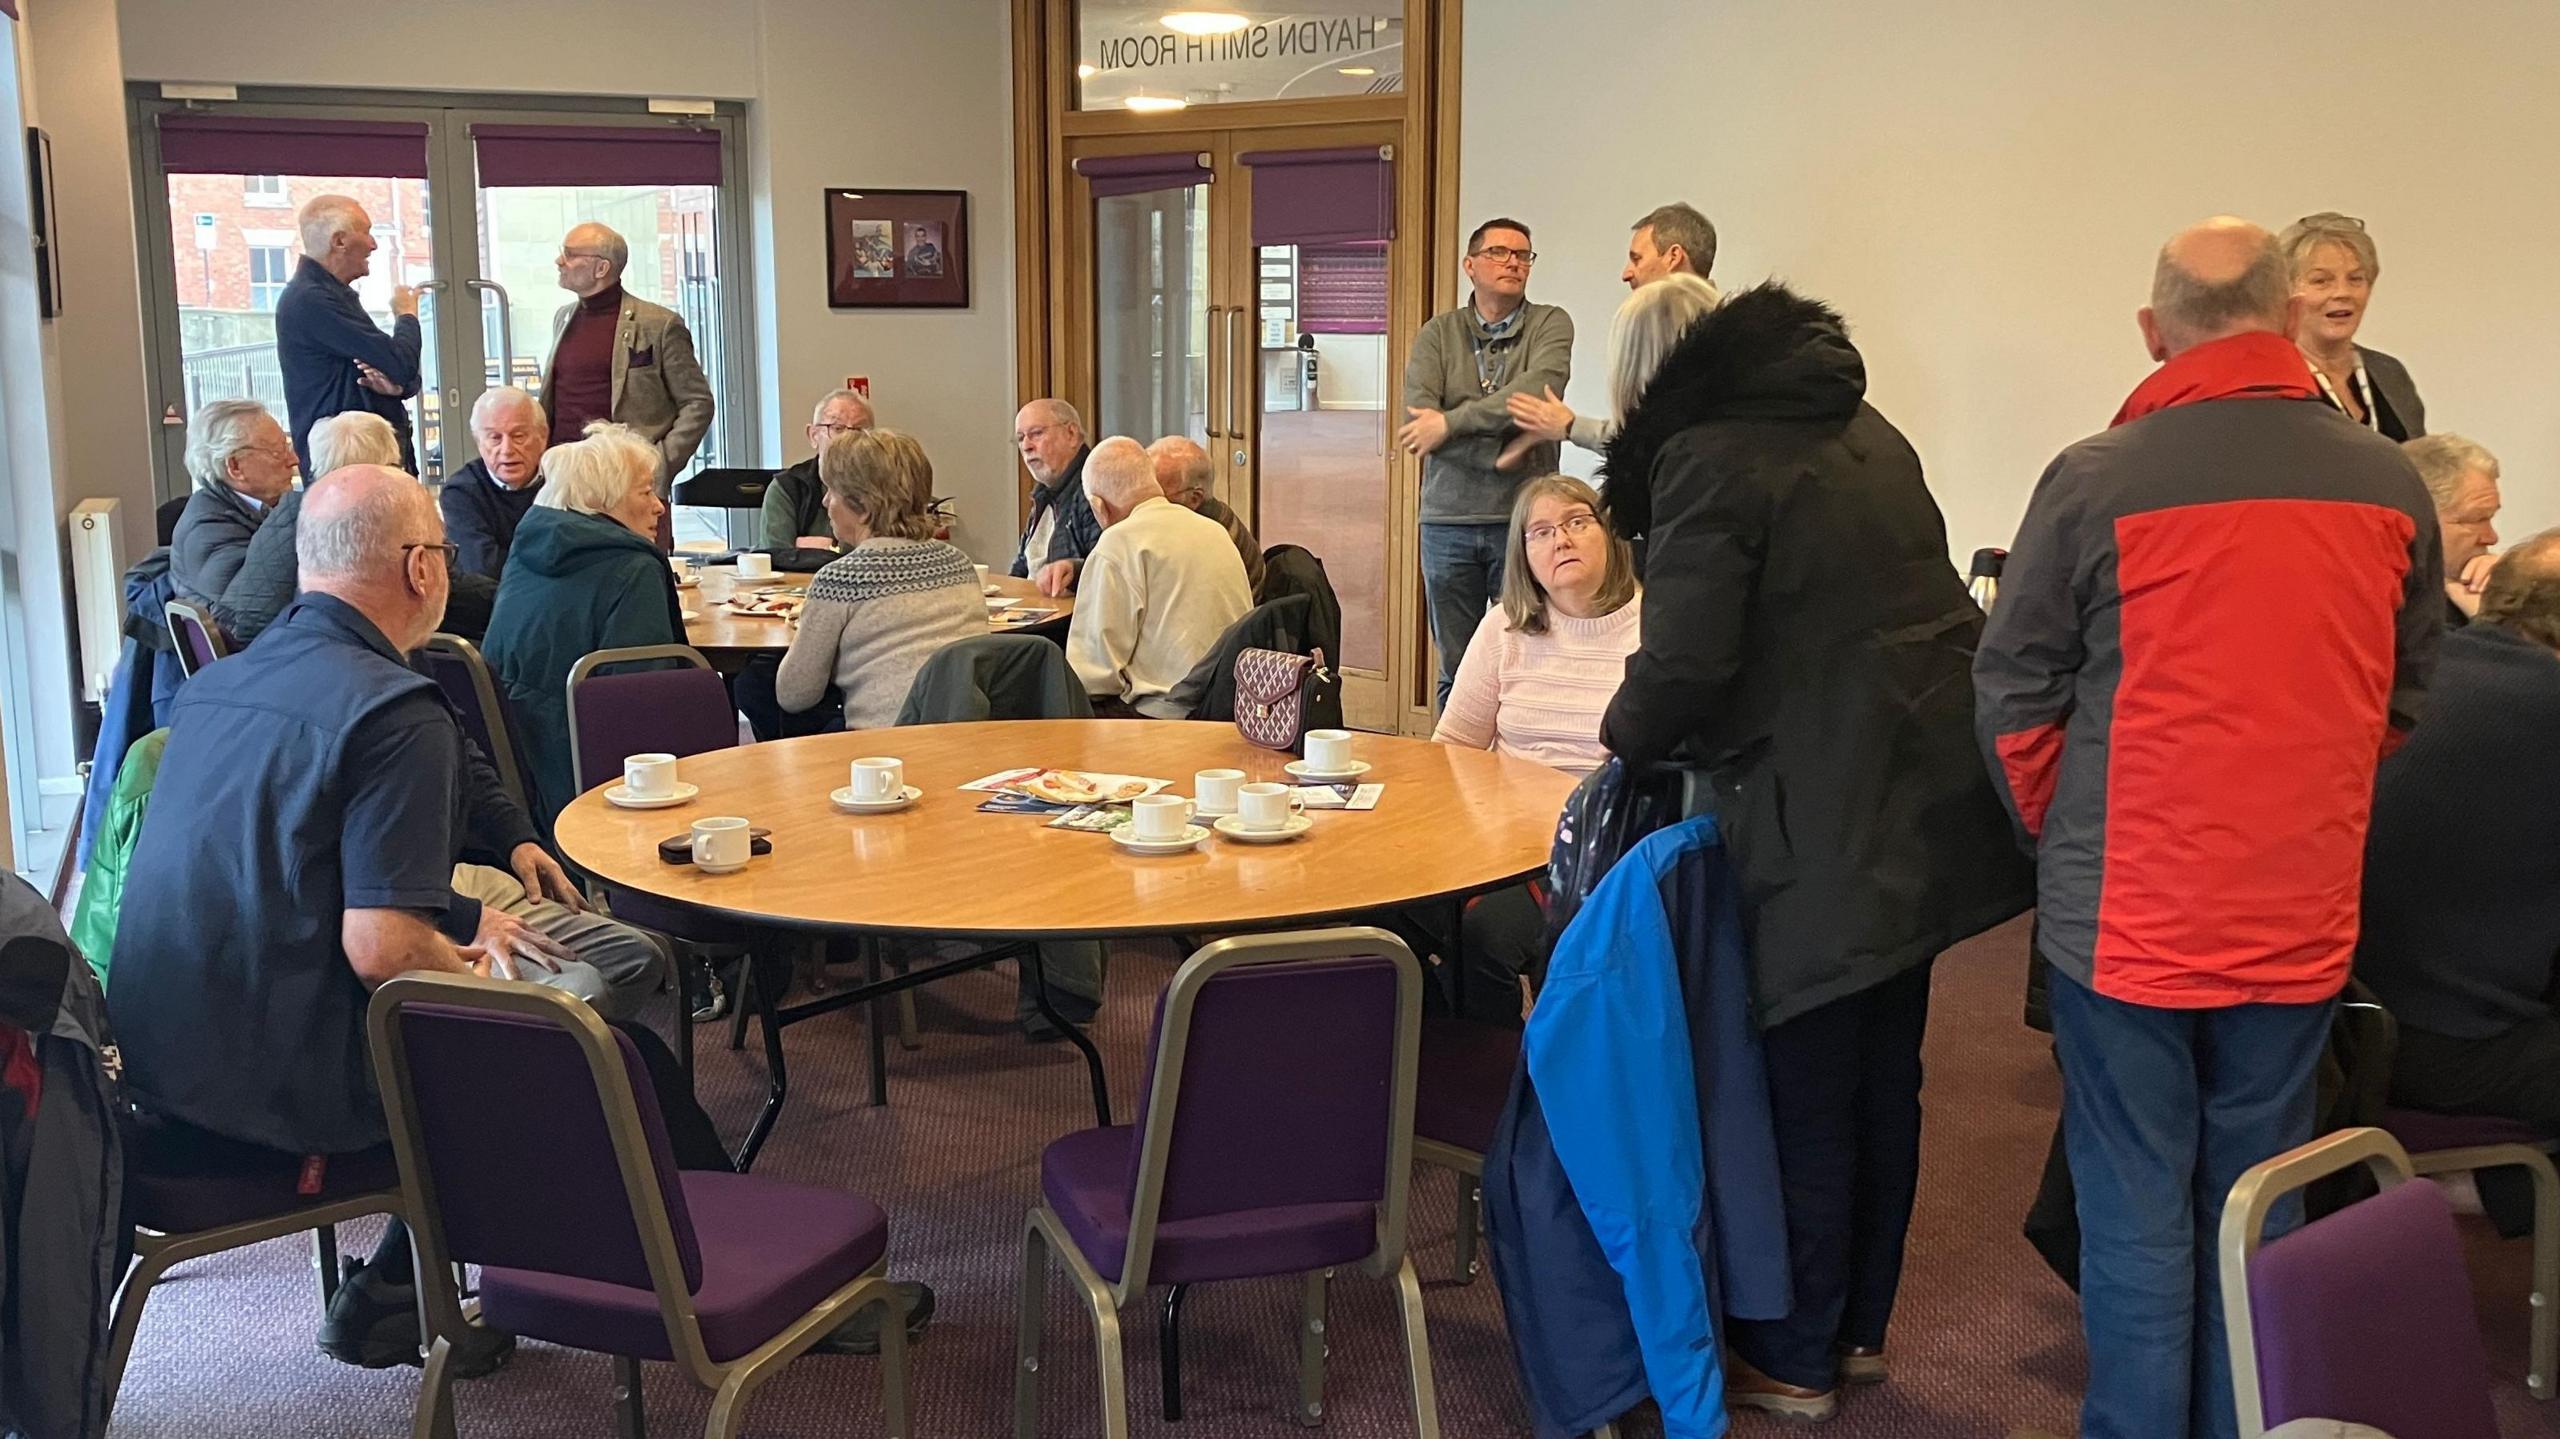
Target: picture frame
897,249
48,254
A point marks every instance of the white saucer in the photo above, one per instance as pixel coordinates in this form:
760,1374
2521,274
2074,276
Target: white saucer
621,797
688,584
990,590
760,581
1232,826
1191,835
1298,768
690,615
843,799
999,602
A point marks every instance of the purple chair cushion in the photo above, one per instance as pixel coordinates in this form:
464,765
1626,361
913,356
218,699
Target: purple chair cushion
162,1196
680,712
2423,1131
771,1250
1085,1178
1465,1081
2366,1316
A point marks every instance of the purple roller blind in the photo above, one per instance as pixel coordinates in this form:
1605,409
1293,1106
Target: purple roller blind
596,155
1137,174
197,144
1322,197
1342,289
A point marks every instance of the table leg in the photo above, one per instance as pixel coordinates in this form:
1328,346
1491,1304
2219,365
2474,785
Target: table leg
1075,1036
875,1013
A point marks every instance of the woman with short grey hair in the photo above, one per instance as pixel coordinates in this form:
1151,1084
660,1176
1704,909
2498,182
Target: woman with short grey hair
2335,266
242,463
352,437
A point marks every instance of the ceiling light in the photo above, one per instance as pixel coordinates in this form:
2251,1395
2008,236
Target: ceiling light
1205,22
1084,72
1357,70
1154,104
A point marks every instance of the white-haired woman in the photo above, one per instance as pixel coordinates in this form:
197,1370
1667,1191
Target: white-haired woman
242,463
2335,265
583,574
267,578
1806,641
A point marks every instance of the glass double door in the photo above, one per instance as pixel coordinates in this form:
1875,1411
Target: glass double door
1275,357
219,229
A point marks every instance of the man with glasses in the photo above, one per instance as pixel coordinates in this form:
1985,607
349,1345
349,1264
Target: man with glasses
1062,529
1673,240
618,358
795,504
1465,367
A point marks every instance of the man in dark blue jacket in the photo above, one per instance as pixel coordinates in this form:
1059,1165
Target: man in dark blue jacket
333,356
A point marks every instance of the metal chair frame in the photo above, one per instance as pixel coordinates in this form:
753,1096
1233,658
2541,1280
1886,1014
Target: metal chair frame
732,1383
202,618
493,714
2542,1355
1046,1232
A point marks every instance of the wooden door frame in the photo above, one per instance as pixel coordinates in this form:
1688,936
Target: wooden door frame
1424,271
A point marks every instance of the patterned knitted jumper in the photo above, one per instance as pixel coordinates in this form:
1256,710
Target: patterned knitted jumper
874,617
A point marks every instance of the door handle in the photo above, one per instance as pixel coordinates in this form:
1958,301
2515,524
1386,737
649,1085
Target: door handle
1236,371
506,329
1209,375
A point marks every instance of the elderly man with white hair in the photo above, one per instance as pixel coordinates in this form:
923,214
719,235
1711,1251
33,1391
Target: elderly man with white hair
1062,529
1160,587
265,581
486,499
620,358
795,504
2461,477
238,457
1187,475
333,356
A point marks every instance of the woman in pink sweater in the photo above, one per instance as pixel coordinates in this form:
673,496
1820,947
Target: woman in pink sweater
1543,664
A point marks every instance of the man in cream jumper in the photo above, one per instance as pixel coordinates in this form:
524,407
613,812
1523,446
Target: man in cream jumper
1156,593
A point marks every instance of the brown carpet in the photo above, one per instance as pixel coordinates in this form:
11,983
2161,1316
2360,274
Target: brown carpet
1986,1339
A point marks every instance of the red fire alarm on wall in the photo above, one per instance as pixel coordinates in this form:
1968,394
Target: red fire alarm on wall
859,384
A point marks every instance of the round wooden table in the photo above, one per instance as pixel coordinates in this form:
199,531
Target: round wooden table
721,632
1451,822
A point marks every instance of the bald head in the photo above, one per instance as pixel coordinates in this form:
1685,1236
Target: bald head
358,540
1183,470
2216,279
1118,477
592,258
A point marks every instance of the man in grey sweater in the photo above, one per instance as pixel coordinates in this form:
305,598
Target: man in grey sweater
1465,366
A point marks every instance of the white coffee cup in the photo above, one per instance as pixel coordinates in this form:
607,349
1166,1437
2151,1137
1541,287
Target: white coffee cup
1159,816
722,844
1328,750
878,779
649,776
1215,790
982,576
755,565
1266,806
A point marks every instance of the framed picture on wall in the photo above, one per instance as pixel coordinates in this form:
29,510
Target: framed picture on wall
891,249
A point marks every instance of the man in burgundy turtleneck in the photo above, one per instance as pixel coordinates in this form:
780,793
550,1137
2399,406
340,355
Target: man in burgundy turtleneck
619,358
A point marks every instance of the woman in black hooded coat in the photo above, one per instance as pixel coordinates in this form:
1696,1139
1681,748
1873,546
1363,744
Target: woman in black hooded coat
1807,640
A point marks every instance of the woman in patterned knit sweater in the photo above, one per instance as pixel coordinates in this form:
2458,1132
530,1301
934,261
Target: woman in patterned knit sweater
1542,666
897,595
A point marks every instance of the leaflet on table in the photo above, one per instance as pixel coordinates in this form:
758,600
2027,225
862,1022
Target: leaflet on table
1341,796
1092,818
1064,788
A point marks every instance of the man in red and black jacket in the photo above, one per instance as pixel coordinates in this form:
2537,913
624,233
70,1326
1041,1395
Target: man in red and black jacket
2217,618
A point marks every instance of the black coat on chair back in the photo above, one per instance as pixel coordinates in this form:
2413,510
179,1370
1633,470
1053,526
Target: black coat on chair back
1807,639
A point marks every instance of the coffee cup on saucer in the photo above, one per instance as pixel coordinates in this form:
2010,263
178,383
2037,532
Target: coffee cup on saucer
1159,818
1214,790
649,776
722,844
878,779
1264,807
1328,751
755,565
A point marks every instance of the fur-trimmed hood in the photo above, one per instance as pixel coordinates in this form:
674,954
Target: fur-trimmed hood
1765,354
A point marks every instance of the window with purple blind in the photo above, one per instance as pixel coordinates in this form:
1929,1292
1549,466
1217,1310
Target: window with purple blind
1342,289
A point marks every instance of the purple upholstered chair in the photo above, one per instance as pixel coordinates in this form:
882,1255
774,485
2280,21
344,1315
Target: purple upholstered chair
456,665
1464,1083
2363,1316
199,640
1275,1137
2464,1144
586,1233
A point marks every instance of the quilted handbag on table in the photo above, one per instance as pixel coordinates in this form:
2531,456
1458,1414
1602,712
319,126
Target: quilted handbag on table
1280,696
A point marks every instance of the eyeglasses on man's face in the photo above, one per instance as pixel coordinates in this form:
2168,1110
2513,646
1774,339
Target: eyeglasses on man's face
451,552
1032,436
1504,255
1574,526
835,427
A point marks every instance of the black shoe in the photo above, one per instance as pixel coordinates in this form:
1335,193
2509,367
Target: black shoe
374,1325
861,1333
704,992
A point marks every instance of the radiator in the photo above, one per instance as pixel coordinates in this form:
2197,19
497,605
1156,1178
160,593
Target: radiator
97,589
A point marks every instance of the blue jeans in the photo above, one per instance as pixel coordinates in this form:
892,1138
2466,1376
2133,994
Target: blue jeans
1461,575
2163,1109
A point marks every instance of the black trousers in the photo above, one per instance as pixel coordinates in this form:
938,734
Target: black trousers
2515,1075
752,692
1844,1088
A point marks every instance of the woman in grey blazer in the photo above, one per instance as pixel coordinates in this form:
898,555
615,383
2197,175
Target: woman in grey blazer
2334,269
